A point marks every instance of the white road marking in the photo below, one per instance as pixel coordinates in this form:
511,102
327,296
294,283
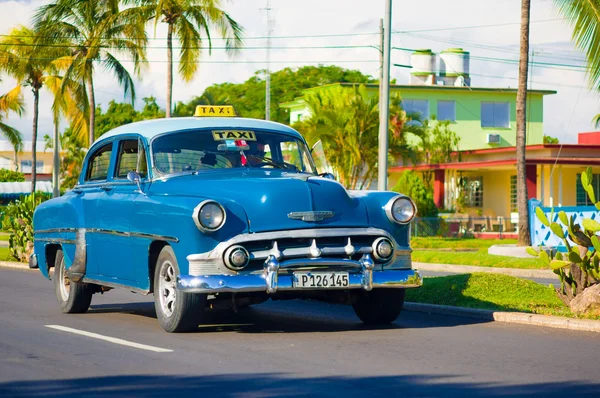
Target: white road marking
109,339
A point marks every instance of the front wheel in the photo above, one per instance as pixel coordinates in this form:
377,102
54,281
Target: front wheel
379,306
176,311
73,297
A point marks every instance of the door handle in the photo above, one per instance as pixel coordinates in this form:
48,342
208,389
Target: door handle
106,188
77,190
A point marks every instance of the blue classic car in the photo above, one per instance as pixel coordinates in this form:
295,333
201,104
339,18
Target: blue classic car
209,212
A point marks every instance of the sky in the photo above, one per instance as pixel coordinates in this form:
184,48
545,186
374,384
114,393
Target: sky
348,29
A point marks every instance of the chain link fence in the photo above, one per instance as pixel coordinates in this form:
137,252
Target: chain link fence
460,227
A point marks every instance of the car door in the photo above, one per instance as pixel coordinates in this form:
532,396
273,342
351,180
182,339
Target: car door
88,191
114,209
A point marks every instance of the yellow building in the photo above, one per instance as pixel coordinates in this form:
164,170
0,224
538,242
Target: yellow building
24,160
484,180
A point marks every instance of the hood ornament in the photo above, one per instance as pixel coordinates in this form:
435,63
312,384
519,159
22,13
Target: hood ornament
310,216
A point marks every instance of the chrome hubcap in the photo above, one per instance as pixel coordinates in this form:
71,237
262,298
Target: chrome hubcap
167,288
64,282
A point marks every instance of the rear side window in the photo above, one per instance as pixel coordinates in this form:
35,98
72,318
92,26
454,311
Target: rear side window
129,160
99,163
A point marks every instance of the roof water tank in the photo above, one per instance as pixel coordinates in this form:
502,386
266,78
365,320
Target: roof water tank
454,62
423,67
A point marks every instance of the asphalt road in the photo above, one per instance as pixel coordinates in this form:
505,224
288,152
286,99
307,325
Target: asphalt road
276,349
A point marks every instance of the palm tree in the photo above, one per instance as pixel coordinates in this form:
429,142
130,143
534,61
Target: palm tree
596,121
30,64
12,102
524,239
99,32
584,16
188,20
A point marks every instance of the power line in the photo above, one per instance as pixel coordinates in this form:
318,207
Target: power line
473,26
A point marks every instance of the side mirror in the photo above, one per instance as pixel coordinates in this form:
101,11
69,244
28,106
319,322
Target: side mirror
133,176
327,175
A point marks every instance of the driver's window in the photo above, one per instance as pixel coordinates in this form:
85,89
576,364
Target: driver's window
128,159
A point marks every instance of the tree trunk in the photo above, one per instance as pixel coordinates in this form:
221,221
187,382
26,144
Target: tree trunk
169,69
56,162
522,196
89,83
36,104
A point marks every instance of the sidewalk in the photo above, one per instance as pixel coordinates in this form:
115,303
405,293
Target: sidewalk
468,269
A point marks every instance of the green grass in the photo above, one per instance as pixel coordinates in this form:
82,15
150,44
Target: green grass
490,292
5,255
480,258
457,243
4,237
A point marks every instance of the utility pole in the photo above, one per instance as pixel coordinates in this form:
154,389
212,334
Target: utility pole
268,73
380,62
384,100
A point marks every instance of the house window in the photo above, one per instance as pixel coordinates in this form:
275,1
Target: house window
581,195
472,191
495,114
446,110
513,194
26,166
419,108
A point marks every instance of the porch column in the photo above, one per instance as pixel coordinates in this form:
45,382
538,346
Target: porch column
531,175
560,186
551,185
438,188
543,194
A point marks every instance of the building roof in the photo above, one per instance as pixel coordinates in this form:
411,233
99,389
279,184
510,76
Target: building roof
152,128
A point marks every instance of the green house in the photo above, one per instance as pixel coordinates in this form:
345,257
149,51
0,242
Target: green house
482,117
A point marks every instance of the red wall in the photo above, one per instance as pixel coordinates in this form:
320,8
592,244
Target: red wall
588,138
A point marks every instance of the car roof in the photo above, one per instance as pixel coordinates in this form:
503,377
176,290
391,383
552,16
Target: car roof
151,128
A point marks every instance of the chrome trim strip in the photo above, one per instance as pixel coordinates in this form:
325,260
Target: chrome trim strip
132,234
57,240
54,230
116,285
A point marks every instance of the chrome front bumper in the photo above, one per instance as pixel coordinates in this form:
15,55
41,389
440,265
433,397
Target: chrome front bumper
270,280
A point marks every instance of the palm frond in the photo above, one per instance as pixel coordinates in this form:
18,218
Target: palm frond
13,135
190,52
112,64
596,120
12,101
584,17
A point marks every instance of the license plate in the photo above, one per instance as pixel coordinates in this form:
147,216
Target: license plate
321,279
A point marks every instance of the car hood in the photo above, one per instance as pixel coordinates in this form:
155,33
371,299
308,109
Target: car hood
268,197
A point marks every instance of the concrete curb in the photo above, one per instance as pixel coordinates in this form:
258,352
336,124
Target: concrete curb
15,265
556,322
468,269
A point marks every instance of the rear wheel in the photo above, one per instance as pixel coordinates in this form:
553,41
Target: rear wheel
379,306
176,311
73,297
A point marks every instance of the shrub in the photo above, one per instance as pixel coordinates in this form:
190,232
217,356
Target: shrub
11,176
579,268
18,220
410,184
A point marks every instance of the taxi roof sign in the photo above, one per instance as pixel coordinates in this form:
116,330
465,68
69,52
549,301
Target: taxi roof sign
214,111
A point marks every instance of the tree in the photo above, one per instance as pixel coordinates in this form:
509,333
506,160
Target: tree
11,176
346,120
248,98
188,20
411,185
30,64
550,140
99,32
119,114
11,102
584,17
596,121
524,238
439,144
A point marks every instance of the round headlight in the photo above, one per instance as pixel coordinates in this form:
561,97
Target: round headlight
401,210
236,258
209,216
382,249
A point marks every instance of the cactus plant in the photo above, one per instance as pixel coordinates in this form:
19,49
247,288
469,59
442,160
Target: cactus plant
18,220
579,268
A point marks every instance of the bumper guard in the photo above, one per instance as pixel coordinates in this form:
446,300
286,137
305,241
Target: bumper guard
271,281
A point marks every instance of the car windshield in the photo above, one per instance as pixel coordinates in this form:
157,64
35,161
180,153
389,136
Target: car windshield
200,150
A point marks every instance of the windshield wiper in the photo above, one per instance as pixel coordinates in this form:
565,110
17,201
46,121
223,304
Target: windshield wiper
274,163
